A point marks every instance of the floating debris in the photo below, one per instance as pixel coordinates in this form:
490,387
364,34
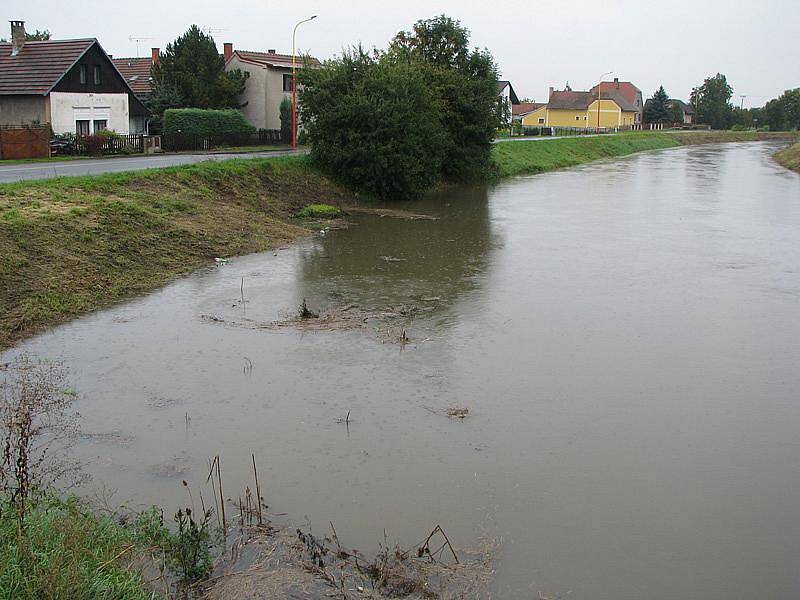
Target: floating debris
457,413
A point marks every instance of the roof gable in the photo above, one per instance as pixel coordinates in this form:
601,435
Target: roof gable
272,59
39,65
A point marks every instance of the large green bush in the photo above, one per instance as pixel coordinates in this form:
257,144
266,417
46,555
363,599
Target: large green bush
205,121
394,123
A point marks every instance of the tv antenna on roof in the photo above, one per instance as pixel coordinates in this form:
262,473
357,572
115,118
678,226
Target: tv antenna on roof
138,39
208,30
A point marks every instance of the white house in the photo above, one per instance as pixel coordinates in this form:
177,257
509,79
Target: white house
71,84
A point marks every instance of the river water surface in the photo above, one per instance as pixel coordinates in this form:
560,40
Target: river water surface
625,335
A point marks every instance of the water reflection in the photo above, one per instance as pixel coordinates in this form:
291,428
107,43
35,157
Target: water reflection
385,261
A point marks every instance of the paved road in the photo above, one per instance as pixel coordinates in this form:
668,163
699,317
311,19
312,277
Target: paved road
48,170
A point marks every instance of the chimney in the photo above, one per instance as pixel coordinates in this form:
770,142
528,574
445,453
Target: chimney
616,82
17,36
227,50
550,93
271,51
155,55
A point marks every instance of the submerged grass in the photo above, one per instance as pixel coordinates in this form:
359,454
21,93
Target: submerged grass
71,245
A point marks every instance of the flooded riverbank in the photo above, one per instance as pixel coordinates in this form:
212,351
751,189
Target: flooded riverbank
623,334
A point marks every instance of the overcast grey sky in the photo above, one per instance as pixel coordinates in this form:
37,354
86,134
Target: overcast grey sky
537,43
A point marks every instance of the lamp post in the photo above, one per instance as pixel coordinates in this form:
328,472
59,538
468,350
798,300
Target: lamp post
599,91
294,81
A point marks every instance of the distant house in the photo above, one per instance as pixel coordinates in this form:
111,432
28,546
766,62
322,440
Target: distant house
625,90
71,84
520,111
687,110
505,92
568,108
270,81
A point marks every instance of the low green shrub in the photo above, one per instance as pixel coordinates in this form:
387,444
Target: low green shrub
319,211
201,121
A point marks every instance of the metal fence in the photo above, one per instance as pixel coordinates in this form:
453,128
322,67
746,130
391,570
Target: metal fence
173,142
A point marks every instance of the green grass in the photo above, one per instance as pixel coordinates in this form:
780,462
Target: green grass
74,244
74,554
319,211
790,157
517,158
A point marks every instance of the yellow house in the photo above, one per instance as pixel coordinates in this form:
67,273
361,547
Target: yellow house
583,110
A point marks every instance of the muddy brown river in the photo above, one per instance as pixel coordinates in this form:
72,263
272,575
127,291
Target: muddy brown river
625,336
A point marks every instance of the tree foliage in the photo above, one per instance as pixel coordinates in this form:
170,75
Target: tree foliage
656,109
374,123
466,82
286,120
191,73
34,36
712,100
783,112
395,122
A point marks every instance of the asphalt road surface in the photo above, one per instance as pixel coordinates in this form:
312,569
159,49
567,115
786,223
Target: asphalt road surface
68,168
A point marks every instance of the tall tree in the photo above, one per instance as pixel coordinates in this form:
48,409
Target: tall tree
783,112
466,82
192,72
656,109
712,100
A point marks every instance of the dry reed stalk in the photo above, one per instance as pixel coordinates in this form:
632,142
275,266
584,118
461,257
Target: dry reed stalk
258,490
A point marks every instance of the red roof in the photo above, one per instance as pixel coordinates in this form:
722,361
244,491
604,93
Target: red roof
523,108
271,59
136,72
625,88
39,65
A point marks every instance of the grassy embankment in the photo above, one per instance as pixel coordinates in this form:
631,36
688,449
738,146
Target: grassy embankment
73,245
520,157
790,157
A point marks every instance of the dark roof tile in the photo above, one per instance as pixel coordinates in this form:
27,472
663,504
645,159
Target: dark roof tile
39,65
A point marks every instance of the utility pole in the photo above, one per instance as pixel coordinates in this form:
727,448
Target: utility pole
742,96
294,81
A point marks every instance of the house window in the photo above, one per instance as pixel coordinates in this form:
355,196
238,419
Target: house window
97,74
541,120
100,125
577,118
287,82
82,74
82,127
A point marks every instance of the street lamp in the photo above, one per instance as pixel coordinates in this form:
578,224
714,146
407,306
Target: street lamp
294,81
599,90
